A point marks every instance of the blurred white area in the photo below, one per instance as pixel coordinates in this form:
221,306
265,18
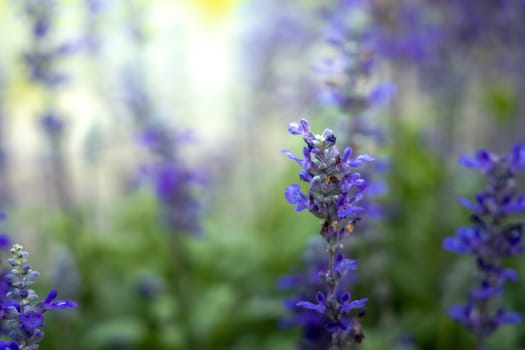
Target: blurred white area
185,65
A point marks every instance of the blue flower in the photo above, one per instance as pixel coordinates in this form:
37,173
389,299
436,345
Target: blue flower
294,196
173,181
319,307
491,239
20,307
333,193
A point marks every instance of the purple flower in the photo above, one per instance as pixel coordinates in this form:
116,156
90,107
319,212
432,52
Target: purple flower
334,189
49,303
348,305
382,93
25,316
482,160
5,241
305,284
491,239
319,307
42,57
342,264
6,345
30,321
52,124
294,196
174,182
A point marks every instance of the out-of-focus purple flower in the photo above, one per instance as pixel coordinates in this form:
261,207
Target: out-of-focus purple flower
52,124
5,241
6,345
491,238
382,93
43,56
174,182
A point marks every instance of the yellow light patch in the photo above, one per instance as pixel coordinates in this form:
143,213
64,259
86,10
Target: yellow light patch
214,9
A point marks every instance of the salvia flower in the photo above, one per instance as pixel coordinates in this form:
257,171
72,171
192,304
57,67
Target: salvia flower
304,283
21,311
493,236
349,89
174,182
334,189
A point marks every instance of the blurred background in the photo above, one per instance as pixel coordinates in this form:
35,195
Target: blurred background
141,165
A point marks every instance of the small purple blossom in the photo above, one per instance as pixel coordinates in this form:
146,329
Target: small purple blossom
491,239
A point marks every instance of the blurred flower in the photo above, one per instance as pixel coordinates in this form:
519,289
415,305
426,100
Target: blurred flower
43,55
174,182
349,88
491,239
52,124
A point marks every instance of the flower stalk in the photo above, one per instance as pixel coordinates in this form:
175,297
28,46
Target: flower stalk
334,191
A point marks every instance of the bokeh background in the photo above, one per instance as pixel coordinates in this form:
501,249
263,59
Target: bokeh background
145,175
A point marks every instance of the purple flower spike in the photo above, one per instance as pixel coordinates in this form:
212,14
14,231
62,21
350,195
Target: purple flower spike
491,239
334,189
26,315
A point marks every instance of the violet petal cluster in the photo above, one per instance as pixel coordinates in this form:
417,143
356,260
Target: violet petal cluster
43,56
304,283
495,235
333,193
174,182
21,312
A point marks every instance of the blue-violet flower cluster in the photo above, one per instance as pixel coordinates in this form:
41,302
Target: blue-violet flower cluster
304,283
333,194
21,313
493,236
174,182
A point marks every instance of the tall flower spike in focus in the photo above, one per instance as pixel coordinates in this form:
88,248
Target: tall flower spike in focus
495,234
333,193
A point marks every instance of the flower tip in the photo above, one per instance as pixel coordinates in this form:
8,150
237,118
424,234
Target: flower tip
50,296
294,128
